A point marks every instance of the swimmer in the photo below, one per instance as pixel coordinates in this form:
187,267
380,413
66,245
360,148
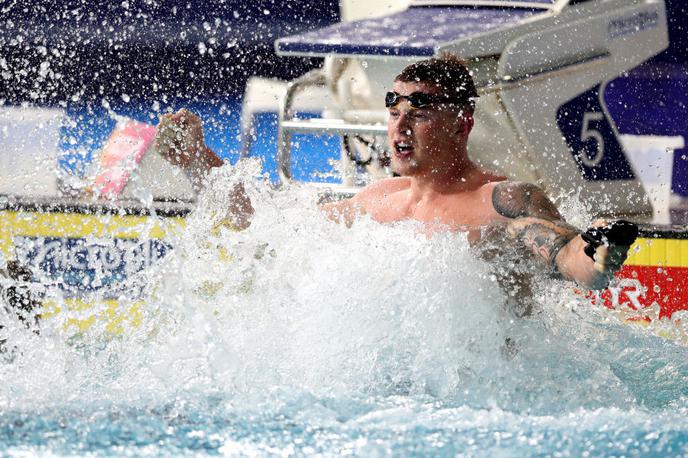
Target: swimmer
431,111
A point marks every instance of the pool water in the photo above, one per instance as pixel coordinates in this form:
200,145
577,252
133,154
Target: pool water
308,426
311,338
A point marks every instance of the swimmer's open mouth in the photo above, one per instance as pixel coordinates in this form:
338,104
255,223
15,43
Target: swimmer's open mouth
403,149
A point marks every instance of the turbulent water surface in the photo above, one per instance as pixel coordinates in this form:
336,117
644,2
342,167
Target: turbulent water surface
301,336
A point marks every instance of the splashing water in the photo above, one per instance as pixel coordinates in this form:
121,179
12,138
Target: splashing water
301,336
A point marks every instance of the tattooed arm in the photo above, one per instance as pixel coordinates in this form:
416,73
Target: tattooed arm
534,221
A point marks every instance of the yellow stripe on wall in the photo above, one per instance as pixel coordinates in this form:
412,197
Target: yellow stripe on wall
115,316
673,253
659,252
79,225
645,252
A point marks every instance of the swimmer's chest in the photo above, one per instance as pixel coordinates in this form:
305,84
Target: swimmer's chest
454,211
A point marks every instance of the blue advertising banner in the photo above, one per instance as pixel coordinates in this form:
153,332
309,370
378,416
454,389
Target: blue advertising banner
79,266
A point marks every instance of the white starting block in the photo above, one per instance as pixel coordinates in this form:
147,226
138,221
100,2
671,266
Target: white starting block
540,67
652,158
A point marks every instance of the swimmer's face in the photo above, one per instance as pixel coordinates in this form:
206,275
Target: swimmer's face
426,140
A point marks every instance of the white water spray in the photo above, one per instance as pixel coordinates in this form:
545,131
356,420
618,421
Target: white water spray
297,304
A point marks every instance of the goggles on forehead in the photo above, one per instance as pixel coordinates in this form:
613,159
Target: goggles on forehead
421,99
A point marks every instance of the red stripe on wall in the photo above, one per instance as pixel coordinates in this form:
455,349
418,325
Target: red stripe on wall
647,292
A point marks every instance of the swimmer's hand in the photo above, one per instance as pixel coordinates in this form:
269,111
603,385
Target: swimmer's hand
607,244
181,142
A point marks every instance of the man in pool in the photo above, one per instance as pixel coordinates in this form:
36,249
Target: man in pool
430,118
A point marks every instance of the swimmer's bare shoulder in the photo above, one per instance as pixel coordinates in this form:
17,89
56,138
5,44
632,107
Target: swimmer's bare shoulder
515,199
348,209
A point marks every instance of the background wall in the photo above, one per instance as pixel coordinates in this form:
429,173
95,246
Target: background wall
142,57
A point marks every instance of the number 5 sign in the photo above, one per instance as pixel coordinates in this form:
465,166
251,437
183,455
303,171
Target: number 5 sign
591,138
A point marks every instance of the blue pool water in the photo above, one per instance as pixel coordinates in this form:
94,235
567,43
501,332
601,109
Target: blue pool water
398,426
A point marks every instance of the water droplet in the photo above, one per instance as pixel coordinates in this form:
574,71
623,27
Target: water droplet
43,68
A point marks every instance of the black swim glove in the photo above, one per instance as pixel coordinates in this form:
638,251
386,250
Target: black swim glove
619,233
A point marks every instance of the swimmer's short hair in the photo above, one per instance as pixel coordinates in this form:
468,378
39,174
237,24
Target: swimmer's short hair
447,72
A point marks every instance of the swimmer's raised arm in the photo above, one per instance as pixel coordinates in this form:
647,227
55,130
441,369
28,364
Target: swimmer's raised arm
534,221
181,142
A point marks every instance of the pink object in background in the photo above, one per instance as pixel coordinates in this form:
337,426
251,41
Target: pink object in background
122,152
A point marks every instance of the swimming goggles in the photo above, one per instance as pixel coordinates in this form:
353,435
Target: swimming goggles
421,99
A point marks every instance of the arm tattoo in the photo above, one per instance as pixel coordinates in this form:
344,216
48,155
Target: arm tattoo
536,223
544,238
515,200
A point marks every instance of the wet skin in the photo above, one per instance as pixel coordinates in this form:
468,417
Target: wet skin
439,185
